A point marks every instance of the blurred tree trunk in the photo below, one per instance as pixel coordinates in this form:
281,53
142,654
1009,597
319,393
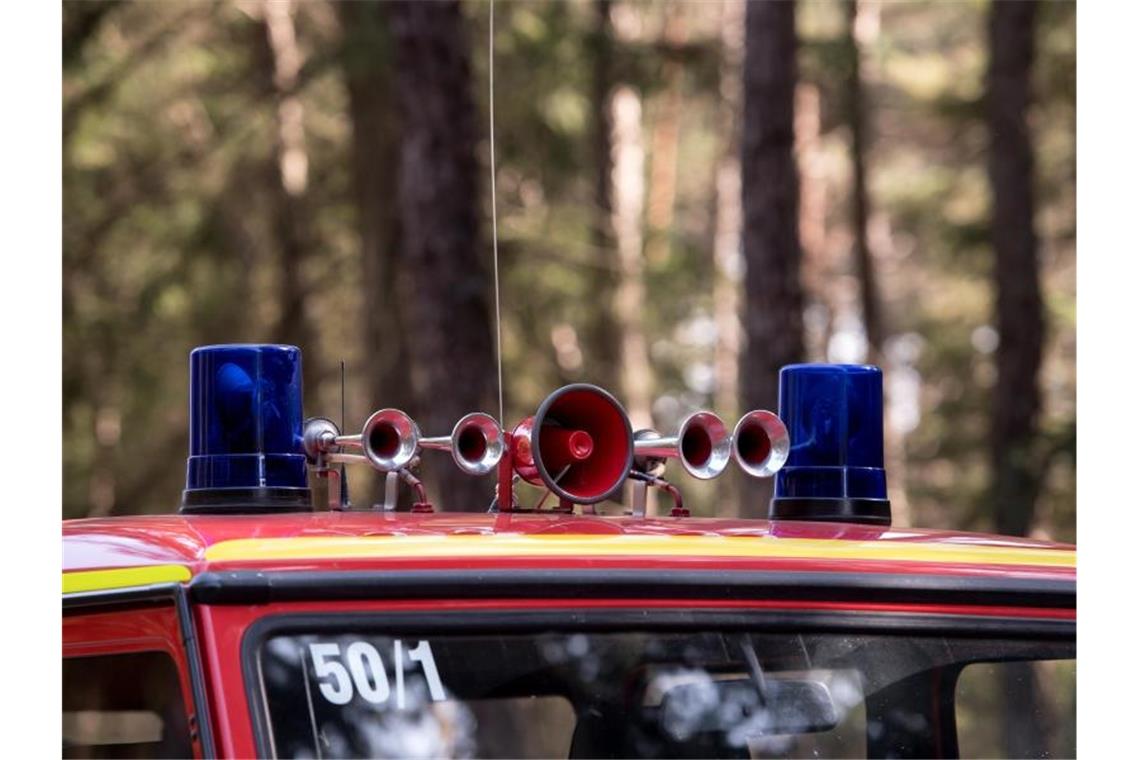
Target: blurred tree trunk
368,59
773,309
1020,322
864,264
368,63
817,265
292,222
629,301
871,305
665,140
726,240
449,317
602,354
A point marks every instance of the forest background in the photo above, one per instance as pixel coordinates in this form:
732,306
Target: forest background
690,195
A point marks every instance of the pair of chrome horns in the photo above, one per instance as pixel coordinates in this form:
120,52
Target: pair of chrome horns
759,444
390,440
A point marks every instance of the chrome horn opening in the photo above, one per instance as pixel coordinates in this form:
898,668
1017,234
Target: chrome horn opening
760,443
705,445
476,443
389,440
701,443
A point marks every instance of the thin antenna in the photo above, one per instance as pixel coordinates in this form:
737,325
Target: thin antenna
495,213
343,485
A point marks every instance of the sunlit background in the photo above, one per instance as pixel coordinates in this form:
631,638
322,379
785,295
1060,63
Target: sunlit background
245,171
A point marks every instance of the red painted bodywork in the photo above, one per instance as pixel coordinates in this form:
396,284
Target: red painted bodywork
164,540
148,629
223,628
149,540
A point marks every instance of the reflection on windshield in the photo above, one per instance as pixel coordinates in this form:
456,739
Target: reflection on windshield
638,694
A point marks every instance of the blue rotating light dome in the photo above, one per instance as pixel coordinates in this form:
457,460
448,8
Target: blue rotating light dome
245,430
834,473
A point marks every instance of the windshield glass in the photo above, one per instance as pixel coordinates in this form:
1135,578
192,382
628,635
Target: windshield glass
642,694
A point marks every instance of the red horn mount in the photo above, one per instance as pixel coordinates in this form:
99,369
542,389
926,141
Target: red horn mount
583,449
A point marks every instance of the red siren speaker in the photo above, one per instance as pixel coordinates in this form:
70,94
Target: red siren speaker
579,445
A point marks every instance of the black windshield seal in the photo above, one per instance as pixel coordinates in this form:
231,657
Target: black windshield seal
264,587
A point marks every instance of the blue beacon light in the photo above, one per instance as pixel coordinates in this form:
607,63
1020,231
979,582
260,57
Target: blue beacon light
245,430
834,472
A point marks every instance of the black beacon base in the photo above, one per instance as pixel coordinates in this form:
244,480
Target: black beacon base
217,501
863,511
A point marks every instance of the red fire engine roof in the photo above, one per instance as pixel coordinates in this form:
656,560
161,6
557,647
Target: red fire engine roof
127,551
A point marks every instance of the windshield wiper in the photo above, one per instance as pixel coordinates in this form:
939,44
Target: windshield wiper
754,670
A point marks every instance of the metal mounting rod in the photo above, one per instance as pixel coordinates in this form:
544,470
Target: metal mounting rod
641,478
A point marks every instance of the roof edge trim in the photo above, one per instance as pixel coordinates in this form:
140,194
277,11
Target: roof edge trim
587,545
80,581
265,587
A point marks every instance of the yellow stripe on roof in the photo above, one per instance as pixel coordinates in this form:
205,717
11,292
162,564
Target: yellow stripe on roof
123,577
567,545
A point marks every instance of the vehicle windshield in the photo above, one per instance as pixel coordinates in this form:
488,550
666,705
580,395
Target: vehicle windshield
659,694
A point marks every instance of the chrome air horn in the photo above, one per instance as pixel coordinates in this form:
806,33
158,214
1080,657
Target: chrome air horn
476,443
701,443
760,443
389,441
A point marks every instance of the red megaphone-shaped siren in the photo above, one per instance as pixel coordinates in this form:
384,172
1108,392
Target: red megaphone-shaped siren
579,445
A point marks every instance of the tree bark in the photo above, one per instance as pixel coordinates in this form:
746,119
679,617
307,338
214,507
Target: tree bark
727,260
816,264
665,141
860,207
602,355
773,309
368,63
368,59
1020,321
629,300
875,323
292,223
449,320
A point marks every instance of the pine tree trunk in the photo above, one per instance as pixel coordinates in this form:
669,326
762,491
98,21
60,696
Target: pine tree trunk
773,310
629,299
864,264
665,141
726,242
1020,322
368,62
292,223
602,355
875,322
816,265
448,318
